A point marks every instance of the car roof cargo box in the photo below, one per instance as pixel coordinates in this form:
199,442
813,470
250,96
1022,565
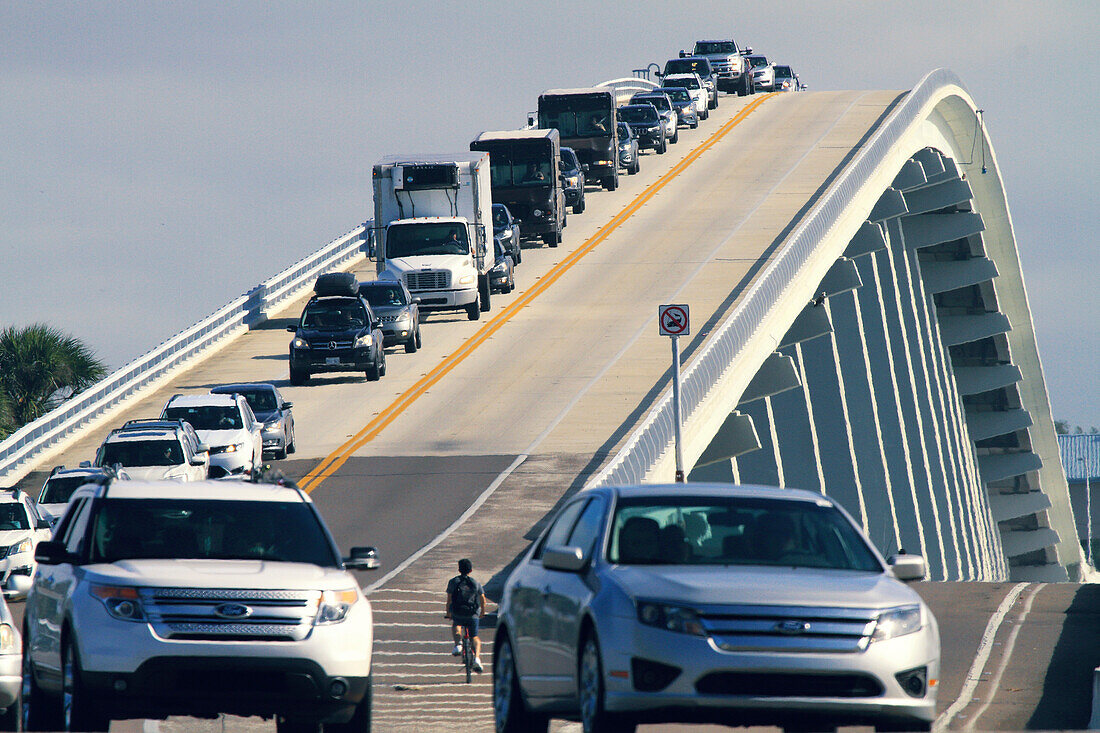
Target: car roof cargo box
336,283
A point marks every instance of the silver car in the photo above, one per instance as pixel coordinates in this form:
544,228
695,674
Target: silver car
272,411
742,605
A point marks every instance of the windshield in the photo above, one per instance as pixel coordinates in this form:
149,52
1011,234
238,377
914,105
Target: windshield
688,66
412,240
133,453
174,529
660,102
207,417
757,60
260,400
678,94
384,296
59,489
736,531
783,72
638,113
709,47
688,82
334,315
569,161
585,115
13,516
520,166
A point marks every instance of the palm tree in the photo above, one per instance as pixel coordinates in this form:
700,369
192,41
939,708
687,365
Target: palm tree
41,367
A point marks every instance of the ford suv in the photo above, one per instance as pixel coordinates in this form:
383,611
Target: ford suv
157,599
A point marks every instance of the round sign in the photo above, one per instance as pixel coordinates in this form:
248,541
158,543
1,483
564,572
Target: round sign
674,320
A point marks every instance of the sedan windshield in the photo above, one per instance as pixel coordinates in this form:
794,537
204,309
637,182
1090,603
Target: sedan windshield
678,94
13,516
638,113
260,400
183,529
58,490
133,453
783,72
660,102
736,531
384,296
207,417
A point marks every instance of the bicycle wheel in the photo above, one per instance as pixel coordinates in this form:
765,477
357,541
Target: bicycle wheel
467,654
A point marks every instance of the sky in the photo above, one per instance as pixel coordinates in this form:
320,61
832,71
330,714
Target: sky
159,159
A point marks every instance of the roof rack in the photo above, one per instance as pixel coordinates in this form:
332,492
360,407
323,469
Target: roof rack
151,422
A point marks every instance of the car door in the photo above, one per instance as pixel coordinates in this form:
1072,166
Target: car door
255,431
565,596
40,526
530,628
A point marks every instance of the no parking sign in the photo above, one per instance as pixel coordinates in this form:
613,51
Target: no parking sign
674,320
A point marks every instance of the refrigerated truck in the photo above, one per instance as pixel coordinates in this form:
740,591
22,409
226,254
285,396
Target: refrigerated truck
433,219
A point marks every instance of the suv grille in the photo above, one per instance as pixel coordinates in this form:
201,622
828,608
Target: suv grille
322,343
428,280
228,614
743,628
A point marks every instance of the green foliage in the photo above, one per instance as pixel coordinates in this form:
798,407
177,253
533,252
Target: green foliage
41,367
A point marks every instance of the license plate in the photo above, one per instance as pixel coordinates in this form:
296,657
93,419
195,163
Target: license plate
332,360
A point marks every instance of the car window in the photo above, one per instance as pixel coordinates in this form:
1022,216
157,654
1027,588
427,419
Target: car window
142,453
59,488
587,528
13,516
736,531
336,315
638,113
74,538
561,528
260,400
386,296
207,417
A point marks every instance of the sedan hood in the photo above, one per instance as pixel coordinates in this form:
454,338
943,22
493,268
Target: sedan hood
218,438
266,415
219,574
154,473
756,585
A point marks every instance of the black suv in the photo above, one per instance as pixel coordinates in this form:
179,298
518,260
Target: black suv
337,333
572,172
646,124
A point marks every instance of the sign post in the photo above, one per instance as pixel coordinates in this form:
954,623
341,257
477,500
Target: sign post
674,322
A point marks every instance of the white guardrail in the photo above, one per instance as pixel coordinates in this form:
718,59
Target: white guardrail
654,436
21,448
627,87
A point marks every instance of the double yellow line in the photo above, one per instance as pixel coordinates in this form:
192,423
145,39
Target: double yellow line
337,458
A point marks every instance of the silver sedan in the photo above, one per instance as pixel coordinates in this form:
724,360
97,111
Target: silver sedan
703,602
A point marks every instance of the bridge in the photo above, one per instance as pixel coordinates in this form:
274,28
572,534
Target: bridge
859,326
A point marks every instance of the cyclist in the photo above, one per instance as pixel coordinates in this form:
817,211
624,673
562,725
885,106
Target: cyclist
465,607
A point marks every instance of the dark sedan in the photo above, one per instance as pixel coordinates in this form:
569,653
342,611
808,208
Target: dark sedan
628,149
398,311
685,106
573,174
271,411
502,278
646,124
506,229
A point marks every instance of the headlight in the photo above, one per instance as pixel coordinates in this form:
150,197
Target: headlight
537,212
7,639
364,341
670,618
272,424
466,280
335,605
301,343
500,269
122,602
897,622
23,545
572,180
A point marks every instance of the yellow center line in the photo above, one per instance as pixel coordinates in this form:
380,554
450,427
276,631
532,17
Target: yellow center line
337,458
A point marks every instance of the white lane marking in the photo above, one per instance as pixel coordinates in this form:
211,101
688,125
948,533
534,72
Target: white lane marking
408,612
375,602
985,647
1006,653
405,590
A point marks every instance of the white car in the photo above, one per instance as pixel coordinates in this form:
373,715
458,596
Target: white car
228,427
153,450
62,482
763,77
747,605
22,527
158,599
694,84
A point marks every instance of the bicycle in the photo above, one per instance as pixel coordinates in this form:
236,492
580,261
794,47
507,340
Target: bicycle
467,652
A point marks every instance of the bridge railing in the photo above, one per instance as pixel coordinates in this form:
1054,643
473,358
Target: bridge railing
626,87
654,436
248,310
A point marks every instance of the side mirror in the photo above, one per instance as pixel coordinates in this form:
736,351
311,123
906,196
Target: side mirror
682,53
585,167
908,567
560,557
85,464
202,448
52,553
19,585
198,461
416,299
44,523
748,50
292,328
531,120
288,405
362,558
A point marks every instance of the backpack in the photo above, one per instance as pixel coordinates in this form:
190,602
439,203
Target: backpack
464,600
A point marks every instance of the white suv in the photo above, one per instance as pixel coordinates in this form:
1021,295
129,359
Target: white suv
21,529
151,450
226,424
158,599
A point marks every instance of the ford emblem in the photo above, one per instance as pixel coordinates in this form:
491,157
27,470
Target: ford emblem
792,627
232,611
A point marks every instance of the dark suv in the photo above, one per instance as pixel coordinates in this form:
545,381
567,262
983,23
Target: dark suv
646,125
573,173
700,65
336,333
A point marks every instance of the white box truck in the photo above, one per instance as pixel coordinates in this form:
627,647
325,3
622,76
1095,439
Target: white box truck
434,228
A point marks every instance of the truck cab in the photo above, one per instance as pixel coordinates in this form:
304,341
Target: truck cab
734,74
433,219
586,121
526,176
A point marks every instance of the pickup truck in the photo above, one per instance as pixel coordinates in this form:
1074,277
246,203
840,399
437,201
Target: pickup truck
734,73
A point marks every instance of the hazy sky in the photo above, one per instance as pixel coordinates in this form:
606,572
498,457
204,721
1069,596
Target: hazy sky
158,159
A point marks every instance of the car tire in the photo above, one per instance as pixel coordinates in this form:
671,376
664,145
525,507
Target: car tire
290,446
907,725
279,455
473,311
519,253
578,208
374,372
675,136
410,345
551,239
299,376
713,104
611,183
510,712
695,125
39,711
590,693
361,718
484,294
78,708
12,717
419,340
662,148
